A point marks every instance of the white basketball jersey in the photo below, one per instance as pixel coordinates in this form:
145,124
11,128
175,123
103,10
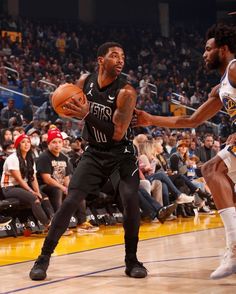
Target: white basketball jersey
228,94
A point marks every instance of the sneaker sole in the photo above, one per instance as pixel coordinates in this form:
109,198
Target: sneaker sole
35,278
138,276
222,276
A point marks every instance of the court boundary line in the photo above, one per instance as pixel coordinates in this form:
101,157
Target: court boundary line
88,250
102,271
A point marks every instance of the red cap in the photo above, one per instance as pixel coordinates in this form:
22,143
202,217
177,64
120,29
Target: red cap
20,138
53,134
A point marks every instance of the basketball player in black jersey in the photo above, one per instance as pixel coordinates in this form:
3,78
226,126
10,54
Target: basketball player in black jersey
109,154
220,171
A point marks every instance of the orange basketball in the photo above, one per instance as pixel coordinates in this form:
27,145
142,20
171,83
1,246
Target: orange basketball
63,94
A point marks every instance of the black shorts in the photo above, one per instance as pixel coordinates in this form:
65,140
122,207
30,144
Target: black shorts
97,166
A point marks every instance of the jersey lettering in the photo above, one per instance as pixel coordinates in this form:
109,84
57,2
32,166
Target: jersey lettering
103,113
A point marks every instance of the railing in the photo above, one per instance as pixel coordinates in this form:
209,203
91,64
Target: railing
12,70
15,92
47,83
149,84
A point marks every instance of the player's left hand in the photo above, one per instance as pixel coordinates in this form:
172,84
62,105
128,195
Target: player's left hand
140,118
231,139
76,109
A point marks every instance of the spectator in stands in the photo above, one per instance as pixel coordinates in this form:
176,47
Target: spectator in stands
54,175
216,146
6,135
206,152
17,131
9,112
7,149
178,164
19,181
70,129
148,163
66,143
52,169
34,135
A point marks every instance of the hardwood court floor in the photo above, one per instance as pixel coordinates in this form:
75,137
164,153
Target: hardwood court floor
179,255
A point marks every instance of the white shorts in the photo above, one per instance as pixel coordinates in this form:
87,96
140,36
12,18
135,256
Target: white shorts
230,161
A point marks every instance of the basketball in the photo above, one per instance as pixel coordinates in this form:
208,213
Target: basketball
63,94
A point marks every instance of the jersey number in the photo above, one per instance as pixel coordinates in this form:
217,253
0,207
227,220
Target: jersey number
99,136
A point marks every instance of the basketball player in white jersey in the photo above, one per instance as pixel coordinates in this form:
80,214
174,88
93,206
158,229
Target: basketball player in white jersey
219,54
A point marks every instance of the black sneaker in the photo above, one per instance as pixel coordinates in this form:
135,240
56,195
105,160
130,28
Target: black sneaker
165,212
135,269
39,270
4,220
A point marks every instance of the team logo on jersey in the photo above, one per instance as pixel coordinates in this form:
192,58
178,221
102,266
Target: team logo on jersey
230,106
111,98
89,92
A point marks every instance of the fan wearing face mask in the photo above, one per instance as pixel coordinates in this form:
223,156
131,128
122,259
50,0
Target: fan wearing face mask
34,135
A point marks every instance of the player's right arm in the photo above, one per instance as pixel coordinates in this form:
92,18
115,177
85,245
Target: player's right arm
206,111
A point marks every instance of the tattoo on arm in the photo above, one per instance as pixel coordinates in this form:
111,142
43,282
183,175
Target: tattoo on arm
126,102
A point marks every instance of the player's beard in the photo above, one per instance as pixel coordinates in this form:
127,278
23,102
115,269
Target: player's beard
215,62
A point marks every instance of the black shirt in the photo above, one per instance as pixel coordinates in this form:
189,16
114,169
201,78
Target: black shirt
47,163
102,105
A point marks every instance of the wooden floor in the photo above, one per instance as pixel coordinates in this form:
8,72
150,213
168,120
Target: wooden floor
179,255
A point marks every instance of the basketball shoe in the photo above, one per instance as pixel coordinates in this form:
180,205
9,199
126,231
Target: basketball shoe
228,264
135,269
39,270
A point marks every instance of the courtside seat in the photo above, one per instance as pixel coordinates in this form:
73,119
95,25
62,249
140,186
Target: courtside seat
8,203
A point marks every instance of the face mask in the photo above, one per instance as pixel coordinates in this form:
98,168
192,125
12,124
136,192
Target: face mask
35,141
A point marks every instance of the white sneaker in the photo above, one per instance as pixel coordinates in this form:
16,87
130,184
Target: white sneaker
184,198
198,202
206,210
228,264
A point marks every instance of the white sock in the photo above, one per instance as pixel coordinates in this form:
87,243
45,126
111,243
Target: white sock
228,216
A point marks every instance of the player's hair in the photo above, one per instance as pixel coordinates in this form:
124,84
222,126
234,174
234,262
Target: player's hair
103,49
224,35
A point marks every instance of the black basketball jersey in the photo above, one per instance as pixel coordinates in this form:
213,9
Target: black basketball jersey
102,105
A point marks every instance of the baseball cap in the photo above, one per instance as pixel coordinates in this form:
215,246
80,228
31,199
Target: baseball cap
32,131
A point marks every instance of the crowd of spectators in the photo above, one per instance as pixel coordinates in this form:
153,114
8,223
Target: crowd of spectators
48,54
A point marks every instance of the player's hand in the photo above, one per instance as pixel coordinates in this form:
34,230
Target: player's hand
76,109
231,139
140,118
